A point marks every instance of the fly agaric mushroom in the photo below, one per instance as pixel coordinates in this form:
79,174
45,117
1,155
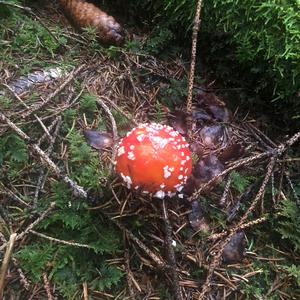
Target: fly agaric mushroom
155,159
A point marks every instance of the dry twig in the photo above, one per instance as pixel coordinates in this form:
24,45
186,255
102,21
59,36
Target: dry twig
52,239
217,258
29,227
24,281
42,177
171,253
5,262
129,275
85,291
242,227
38,106
297,198
193,61
158,261
114,131
277,151
45,158
77,190
47,286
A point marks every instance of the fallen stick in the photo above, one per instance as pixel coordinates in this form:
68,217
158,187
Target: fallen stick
45,158
78,191
218,257
193,61
5,263
275,152
38,106
30,226
171,254
114,131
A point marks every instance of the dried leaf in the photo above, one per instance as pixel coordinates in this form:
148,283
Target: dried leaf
207,168
201,116
234,251
197,217
213,136
203,171
219,113
97,139
190,186
197,148
213,106
177,120
231,152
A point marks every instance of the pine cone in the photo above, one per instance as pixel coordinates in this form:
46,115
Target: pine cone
84,14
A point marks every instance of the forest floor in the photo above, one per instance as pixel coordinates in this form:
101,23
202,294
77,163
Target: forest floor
233,233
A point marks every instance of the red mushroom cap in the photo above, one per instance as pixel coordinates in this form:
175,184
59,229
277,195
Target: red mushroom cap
154,158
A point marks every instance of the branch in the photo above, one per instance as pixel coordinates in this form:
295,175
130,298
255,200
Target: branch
5,263
38,106
171,253
275,152
218,257
52,239
47,286
45,158
193,61
38,220
78,191
114,131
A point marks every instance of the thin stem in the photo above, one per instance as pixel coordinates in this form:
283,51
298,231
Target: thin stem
193,61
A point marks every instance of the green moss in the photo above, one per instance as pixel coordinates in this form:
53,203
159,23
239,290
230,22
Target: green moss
256,41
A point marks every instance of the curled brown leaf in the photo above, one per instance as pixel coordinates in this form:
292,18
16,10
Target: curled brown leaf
97,139
234,251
